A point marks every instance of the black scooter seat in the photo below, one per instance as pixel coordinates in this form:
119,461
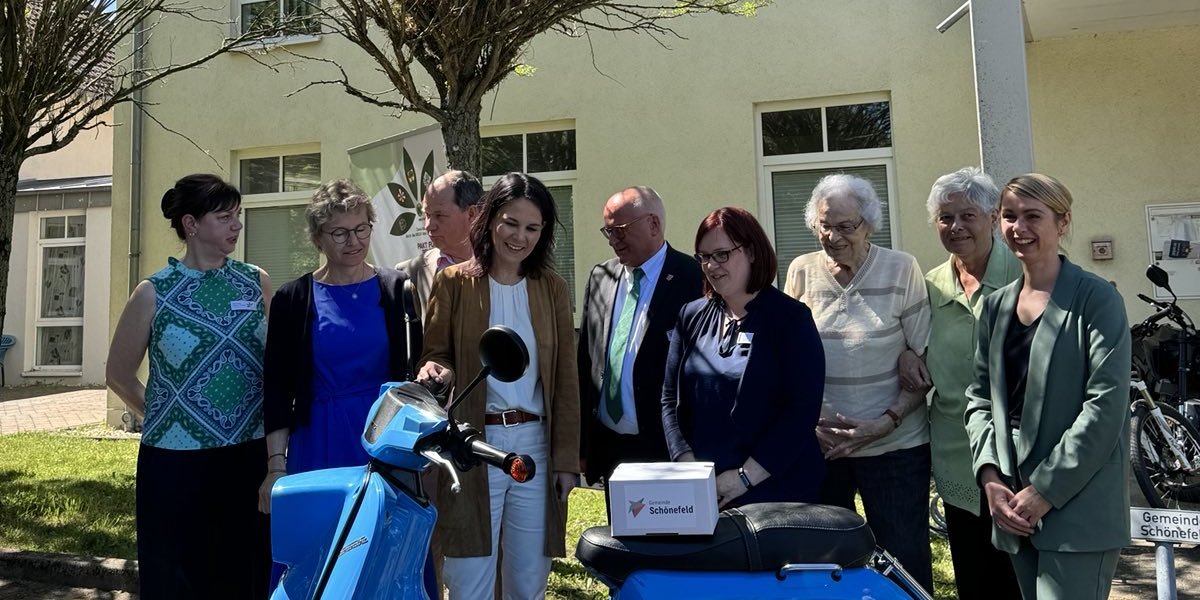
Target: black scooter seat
755,537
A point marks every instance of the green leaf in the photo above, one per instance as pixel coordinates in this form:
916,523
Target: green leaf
400,195
524,70
410,174
426,179
403,223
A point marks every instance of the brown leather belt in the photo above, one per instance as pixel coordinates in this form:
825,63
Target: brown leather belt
510,418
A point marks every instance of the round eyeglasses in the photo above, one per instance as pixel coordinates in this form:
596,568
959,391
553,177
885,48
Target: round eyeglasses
341,235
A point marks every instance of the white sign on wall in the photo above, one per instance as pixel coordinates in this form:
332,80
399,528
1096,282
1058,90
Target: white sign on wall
1164,525
1173,231
396,171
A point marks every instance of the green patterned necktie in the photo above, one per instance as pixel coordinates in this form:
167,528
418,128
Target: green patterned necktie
616,351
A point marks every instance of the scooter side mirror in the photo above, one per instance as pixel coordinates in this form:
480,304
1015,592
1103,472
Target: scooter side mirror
503,353
1159,277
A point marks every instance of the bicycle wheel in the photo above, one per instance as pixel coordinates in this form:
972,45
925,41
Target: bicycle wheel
937,516
1163,479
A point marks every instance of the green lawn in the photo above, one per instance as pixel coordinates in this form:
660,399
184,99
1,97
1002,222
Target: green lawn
75,495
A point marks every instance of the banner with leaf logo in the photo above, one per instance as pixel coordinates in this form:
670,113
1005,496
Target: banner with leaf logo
395,171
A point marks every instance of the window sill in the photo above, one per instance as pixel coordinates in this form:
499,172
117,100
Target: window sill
43,372
271,43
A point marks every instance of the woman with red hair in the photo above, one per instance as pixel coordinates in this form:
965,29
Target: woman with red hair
745,372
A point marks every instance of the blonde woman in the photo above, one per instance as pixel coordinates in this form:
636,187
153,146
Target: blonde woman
1051,451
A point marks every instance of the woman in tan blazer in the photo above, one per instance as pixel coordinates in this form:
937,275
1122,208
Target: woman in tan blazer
509,282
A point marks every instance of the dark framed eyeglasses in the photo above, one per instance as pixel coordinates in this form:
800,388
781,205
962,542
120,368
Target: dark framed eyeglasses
618,231
718,256
843,229
341,235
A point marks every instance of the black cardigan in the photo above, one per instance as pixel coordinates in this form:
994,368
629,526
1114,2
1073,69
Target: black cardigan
288,359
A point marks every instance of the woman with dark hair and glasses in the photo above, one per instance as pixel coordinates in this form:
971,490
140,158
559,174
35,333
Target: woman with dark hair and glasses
745,372
335,335
508,282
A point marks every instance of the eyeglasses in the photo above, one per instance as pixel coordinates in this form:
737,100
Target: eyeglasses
719,256
843,229
618,231
341,235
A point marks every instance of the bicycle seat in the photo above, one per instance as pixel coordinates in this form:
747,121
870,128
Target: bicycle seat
755,537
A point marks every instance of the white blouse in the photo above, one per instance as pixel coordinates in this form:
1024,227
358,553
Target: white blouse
510,307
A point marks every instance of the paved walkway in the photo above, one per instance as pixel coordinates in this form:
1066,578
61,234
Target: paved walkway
55,411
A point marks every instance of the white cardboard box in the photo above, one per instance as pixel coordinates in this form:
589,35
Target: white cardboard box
667,498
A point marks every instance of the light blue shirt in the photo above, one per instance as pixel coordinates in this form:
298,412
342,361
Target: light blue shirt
651,269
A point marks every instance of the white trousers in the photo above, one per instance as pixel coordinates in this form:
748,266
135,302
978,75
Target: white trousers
518,525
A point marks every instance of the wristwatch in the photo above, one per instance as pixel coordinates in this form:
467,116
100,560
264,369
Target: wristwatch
745,479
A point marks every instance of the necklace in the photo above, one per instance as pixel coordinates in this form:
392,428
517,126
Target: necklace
354,293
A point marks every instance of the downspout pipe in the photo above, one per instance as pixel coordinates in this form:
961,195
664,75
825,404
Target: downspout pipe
135,163
128,419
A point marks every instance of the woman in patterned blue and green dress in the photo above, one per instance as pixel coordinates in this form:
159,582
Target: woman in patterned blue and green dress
202,319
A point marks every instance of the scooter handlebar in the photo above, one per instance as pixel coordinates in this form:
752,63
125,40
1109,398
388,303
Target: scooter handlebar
518,466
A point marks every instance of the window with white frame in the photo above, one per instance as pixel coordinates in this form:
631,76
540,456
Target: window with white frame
296,17
801,142
276,188
549,156
59,319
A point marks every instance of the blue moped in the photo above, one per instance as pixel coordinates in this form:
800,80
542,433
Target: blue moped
363,532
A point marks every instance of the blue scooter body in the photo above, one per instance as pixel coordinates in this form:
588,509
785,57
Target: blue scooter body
386,530
854,584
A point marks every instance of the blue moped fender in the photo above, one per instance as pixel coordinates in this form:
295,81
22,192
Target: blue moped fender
854,584
383,554
306,511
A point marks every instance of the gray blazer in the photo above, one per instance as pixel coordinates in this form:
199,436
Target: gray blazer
421,270
1073,445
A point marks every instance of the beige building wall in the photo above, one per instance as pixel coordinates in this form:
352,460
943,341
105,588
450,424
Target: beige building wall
90,154
1115,118
1111,117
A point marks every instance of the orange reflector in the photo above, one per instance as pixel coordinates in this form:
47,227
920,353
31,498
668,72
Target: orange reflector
518,470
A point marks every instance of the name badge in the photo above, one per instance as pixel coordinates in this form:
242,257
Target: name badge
242,305
744,338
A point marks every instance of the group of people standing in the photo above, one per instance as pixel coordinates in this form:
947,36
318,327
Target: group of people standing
813,393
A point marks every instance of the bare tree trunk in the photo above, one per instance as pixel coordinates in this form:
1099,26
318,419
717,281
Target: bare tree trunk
460,131
9,171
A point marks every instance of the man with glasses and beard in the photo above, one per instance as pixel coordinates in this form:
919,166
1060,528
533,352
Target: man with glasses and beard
630,303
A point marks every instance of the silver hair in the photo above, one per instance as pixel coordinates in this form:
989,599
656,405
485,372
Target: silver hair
970,183
841,184
338,195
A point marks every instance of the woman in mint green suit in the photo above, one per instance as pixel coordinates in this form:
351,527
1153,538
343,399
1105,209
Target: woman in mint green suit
1047,413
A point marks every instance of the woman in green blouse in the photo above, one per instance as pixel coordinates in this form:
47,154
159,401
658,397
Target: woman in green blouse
963,207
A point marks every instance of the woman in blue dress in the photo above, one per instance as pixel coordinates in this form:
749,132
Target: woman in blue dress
745,372
333,337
